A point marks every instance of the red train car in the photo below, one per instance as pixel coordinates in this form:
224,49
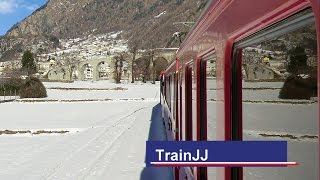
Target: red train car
248,70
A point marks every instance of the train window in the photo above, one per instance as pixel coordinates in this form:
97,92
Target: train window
207,107
194,102
279,95
168,88
173,96
188,104
162,82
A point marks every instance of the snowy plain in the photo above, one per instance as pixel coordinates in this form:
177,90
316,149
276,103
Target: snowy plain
108,129
106,139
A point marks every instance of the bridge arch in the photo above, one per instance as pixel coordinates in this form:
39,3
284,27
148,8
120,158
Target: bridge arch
160,64
86,72
141,69
103,70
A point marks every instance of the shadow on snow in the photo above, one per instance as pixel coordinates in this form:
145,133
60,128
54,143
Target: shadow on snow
156,133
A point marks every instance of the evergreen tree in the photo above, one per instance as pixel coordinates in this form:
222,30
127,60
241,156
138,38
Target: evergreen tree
28,63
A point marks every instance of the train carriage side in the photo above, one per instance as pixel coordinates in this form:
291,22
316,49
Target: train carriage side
249,71
169,101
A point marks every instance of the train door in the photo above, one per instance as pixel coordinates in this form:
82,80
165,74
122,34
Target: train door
276,98
167,108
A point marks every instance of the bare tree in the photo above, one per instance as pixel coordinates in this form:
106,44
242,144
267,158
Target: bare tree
70,66
118,63
134,51
151,56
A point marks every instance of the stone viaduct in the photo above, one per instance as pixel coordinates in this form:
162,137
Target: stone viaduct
98,69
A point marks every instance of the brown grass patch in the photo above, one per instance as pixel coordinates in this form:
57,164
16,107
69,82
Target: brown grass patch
88,89
50,132
11,132
309,137
289,136
280,135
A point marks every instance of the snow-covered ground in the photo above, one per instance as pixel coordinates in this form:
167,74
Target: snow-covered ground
105,139
107,133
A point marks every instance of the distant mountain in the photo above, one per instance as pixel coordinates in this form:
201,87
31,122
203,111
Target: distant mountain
147,23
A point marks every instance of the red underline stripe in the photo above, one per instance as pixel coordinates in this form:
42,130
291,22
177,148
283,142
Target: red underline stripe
271,164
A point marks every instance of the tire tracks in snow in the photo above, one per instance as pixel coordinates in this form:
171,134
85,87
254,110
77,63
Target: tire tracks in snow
108,153
110,131
43,151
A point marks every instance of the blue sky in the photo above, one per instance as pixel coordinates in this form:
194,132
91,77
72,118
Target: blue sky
13,11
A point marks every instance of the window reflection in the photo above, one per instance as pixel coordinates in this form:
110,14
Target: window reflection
280,101
211,106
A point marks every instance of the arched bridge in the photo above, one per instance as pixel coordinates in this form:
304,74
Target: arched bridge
98,69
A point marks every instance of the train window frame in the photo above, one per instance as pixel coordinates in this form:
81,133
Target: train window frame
202,117
162,86
168,99
189,134
287,25
201,98
167,88
292,23
173,95
176,106
180,94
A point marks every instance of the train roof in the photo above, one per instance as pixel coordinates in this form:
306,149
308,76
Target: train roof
226,22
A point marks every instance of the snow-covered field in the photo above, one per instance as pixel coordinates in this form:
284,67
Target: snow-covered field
104,139
108,124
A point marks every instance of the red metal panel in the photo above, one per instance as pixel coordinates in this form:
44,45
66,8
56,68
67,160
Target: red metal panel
177,108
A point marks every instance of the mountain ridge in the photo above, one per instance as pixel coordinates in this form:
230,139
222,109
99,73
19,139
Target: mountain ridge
145,21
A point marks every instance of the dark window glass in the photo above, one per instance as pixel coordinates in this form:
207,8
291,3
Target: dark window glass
188,98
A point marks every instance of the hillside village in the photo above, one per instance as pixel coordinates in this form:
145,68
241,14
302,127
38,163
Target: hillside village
85,56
